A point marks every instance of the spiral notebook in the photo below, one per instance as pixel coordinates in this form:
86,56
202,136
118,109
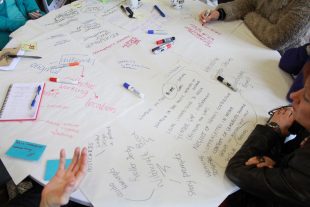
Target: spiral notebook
22,102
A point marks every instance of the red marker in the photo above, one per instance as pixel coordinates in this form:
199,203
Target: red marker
65,65
166,40
57,80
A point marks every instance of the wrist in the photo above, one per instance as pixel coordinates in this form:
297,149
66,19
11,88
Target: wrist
44,202
222,14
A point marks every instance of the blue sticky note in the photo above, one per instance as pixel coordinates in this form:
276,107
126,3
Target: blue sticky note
26,150
52,167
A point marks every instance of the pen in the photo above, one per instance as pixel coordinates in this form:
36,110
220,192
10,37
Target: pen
23,56
160,11
207,13
130,12
57,80
66,65
162,48
166,40
159,32
133,90
123,9
221,79
33,102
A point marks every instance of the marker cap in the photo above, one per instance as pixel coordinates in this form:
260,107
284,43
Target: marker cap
220,78
74,64
126,85
150,31
53,79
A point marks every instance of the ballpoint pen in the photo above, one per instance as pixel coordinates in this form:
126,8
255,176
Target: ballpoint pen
33,102
23,56
159,11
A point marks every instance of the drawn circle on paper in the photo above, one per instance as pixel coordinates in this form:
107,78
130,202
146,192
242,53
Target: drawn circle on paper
243,132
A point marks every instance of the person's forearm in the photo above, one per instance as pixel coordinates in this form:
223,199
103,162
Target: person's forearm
260,142
44,201
237,9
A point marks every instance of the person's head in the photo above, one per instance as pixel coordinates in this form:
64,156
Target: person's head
301,100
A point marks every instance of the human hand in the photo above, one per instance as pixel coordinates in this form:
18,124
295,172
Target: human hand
261,161
57,192
207,16
284,118
35,15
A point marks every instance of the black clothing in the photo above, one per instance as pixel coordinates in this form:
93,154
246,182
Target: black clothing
285,185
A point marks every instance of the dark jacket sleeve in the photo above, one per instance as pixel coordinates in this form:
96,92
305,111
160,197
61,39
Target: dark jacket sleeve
294,59
288,182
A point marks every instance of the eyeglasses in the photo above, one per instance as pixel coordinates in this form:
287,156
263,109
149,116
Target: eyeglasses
271,112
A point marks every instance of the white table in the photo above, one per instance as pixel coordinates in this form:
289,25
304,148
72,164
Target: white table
170,148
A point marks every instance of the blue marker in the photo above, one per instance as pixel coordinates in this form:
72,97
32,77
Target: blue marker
160,11
133,90
33,102
158,32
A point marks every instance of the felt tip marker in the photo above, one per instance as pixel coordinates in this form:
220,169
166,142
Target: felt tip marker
65,65
157,32
162,48
207,13
159,11
130,12
23,56
166,40
222,80
57,80
133,90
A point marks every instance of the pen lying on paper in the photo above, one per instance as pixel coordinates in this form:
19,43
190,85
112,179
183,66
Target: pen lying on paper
33,102
133,90
127,9
23,56
159,11
221,79
58,80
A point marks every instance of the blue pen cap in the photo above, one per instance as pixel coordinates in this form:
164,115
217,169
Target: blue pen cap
126,85
150,31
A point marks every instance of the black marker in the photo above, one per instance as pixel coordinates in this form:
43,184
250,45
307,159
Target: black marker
130,12
23,56
221,79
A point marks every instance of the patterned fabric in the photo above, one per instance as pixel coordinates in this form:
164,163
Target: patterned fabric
14,190
279,24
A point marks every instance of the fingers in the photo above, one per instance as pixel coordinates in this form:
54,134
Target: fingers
202,17
74,159
208,15
252,161
264,164
35,15
82,166
260,162
82,157
62,160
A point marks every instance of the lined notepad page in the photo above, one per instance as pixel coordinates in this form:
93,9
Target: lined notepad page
17,104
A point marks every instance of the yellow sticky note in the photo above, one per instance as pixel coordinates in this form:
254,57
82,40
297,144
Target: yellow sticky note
29,46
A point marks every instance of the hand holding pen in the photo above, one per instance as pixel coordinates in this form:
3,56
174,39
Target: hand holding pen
208,16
